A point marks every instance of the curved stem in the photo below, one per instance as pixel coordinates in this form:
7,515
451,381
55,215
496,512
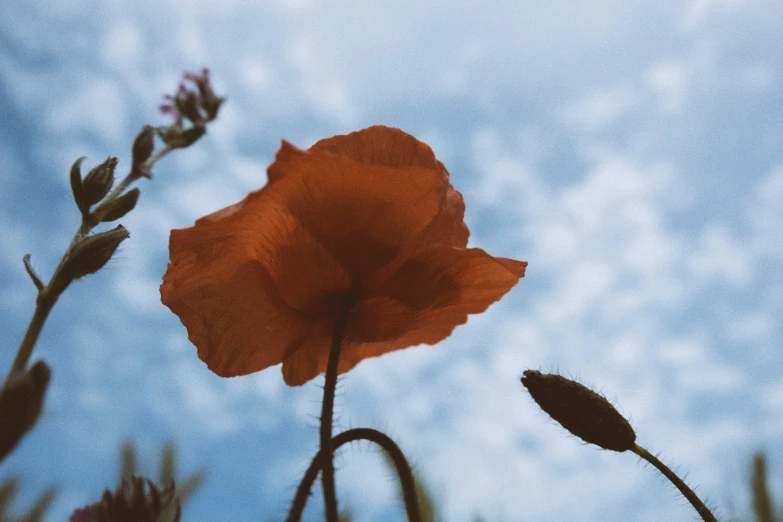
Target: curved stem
327,411
687,492
403,471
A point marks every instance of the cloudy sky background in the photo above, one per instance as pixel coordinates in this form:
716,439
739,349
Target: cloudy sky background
632,152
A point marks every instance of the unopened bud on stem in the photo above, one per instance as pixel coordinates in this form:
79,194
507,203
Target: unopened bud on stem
179,138
99,181
143,146
21,402
91,253
191,108
121,206
580,410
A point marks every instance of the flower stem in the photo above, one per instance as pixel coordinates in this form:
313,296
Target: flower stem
327,411
687,492
43,306
403,471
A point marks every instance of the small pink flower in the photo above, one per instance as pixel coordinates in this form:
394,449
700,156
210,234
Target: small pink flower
196,105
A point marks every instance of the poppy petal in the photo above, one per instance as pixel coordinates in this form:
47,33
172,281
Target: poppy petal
432,294
390,147
364,216
448,227
235,318
382,147
434,291
307,361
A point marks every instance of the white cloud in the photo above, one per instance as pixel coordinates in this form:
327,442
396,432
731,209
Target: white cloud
698,11
759,78
670,81
204,401
17,242
722,257
256,75
319,79
598,110
203,195
98,105
682,351
123,46
766,213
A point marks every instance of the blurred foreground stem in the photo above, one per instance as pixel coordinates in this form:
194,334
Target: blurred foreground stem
687,492
401,464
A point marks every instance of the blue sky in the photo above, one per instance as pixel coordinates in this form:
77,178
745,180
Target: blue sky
632,152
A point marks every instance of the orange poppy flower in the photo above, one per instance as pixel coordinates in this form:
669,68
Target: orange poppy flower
370,215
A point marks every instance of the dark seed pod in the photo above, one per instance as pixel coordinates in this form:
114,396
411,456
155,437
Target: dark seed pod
580,410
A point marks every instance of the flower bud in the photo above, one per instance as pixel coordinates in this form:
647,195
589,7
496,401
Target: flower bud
209,101
91,253
121,206
190,107
143,146
580,410
99,181
178,138
21,402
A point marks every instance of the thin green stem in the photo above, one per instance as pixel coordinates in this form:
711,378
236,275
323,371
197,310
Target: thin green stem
403,472
327,411
687,492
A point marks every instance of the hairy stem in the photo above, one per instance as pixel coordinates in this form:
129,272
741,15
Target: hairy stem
327,411
403,471
687,492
